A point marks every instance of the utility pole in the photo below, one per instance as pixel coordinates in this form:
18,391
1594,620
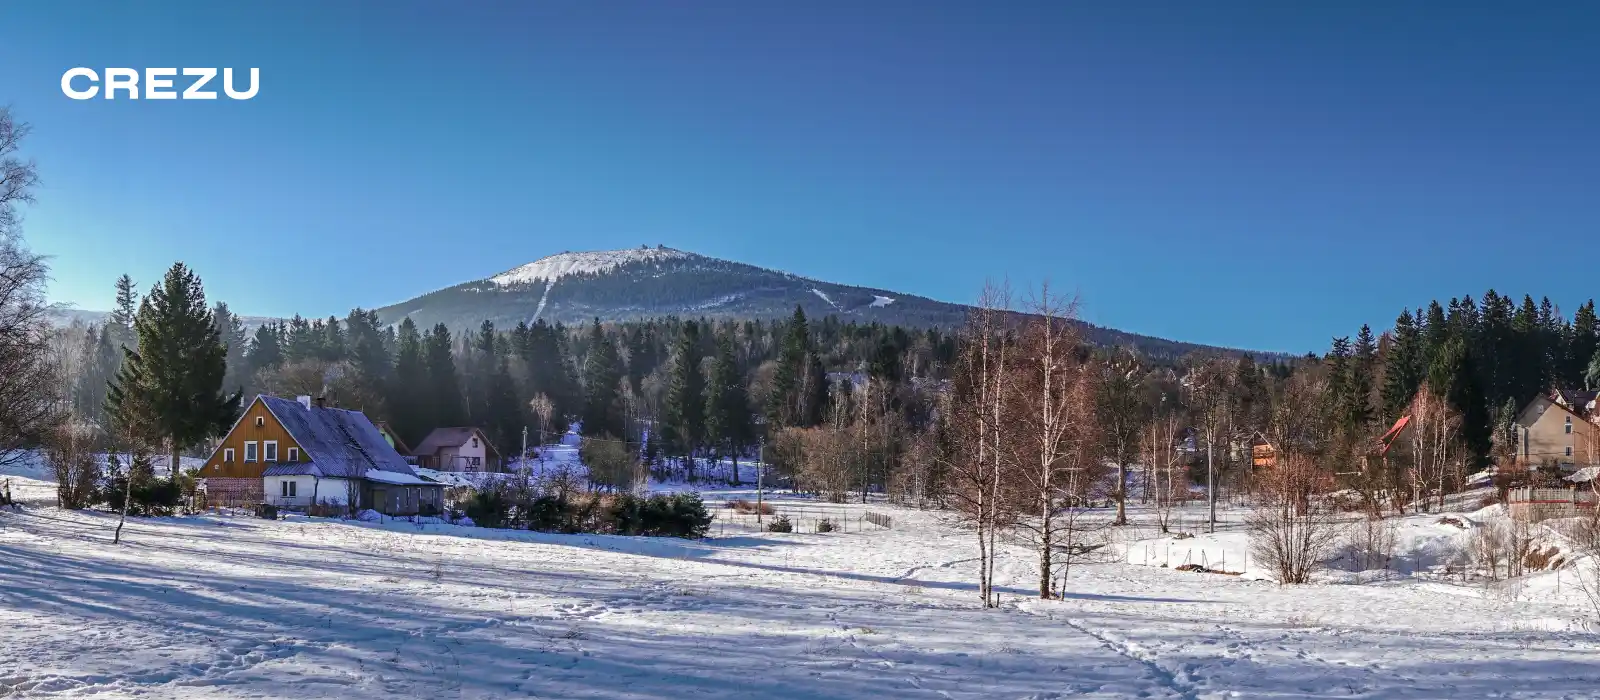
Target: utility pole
761,473
523,463
761,468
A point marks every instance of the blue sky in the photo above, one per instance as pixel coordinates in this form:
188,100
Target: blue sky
1261,175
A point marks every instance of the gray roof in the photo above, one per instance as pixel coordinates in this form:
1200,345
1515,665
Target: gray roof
341,443
450,437
292,469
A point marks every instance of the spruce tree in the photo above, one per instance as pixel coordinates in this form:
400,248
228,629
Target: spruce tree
603,414
235,340
266,350
127,306
444,382
727,410
410,410
176,375
369,363
1454,376
784,403
683,412
1402,368
1582,344
1363,371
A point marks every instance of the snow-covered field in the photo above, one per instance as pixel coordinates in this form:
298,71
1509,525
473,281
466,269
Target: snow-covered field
221,607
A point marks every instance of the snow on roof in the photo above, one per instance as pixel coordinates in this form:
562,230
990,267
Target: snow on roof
292,469
384,477
555,267
342,443
1584,474
450,437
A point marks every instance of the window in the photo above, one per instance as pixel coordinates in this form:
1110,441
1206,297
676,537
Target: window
260,421
1569,450
250,452
269,451
227,456
287,488
474,442
1569,425
294,454
477,461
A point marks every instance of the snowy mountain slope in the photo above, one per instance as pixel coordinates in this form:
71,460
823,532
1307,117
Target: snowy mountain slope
614,285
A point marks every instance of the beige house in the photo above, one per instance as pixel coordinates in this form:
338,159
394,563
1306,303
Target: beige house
458,450
1551,430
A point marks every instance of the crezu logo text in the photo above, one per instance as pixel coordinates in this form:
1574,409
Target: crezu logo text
159,83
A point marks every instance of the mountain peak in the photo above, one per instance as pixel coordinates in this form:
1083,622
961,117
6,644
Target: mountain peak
553,267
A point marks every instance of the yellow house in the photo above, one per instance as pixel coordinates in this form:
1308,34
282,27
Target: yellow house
1548,430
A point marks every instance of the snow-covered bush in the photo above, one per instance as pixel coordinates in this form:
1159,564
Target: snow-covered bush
780,524
369,516
825,525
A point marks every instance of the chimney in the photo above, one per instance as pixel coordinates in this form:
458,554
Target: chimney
304,401
321,403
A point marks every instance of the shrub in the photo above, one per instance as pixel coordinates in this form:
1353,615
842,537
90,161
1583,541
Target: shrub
746,507
780,524
690,518
544,513
825,525
489,508
150,495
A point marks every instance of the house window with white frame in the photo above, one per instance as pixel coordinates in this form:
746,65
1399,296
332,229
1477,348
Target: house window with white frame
1569,425
294,454
287,489
269,451
227,455
250,451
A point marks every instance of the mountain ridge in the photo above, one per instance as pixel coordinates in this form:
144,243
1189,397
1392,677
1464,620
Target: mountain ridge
634,283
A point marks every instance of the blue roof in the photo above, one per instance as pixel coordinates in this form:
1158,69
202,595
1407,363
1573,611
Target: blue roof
341,443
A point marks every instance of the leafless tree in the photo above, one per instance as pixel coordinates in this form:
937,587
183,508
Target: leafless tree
1435,446
1050,443
1122,412
1208,384
71,453
974,461
30,393
1292,532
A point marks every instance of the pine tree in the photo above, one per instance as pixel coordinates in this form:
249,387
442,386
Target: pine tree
683,412
127,306
1363,371
603,414
444,383
235,340
784,403
1402,368
176,374
505,409
1582,344
1454,375
410,409
370,364
727,409
266,350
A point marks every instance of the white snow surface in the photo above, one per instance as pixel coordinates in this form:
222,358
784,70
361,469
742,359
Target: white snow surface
880,301
554,267
824,297
232,607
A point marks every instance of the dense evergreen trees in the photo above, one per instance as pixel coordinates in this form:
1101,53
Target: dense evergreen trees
173,382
